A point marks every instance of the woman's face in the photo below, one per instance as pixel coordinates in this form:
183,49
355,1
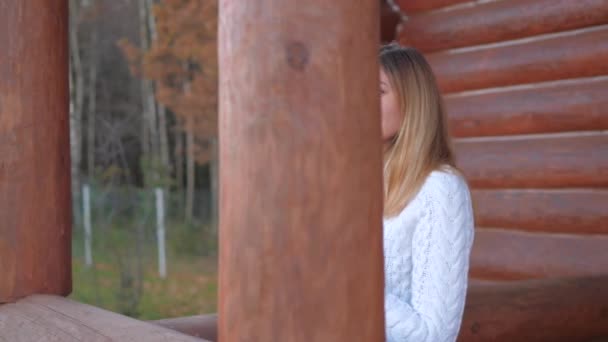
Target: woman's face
392,115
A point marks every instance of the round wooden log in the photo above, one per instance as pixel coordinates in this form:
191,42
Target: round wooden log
576,211
500,254
35,214
496,21
301,172
578,105
389,19
568,310
573,55
547,161
412,6
203,326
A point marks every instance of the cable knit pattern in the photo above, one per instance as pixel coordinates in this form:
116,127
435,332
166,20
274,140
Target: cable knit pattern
427,249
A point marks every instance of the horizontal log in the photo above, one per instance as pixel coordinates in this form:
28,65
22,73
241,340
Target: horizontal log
487,282
577,211
497,21
57,319
578,105
568,310
578,54
412,6
203,326
389,19
547,161
500,254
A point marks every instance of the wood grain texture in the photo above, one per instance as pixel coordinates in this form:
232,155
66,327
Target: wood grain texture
579,105
203,326
413,6
500,254
57,319
497,21
575,211
575,55
35,209
301,169
548,161
560,310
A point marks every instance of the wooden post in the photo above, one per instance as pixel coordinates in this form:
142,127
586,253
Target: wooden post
35,211
300,171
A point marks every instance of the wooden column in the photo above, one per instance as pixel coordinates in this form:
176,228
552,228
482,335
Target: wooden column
300,171
35,216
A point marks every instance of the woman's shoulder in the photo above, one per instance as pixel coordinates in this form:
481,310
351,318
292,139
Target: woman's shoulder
445,197
445,185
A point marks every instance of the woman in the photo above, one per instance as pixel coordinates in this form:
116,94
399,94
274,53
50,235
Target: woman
428,216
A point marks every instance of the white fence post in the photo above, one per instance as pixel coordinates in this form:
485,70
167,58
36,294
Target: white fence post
86,206
160,232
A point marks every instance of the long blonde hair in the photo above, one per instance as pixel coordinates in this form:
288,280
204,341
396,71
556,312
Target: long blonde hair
422,143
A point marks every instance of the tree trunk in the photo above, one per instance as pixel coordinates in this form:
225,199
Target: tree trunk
150,136
76,104
92,102
164,141
213,175
179,159
190,168
152,122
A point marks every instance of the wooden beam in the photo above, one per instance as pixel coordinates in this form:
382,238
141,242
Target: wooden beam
497,21
573,55
578,105
301,168
203,326
500,254
57,319
548,161
575,211
35,212
413,6
559,310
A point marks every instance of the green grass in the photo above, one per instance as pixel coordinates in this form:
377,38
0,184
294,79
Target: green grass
111,283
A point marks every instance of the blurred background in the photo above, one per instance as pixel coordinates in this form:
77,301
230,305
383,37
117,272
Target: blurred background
143,127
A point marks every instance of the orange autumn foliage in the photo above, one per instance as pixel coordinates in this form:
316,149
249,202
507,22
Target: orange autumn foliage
182,61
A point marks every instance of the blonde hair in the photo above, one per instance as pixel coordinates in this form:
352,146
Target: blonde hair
422,143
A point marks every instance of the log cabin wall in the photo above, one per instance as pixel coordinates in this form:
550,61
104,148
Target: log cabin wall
526,90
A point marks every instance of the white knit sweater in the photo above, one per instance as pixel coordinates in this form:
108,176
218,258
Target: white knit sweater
427,248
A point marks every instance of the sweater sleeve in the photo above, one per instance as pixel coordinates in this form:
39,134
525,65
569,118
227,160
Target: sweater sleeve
441,248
